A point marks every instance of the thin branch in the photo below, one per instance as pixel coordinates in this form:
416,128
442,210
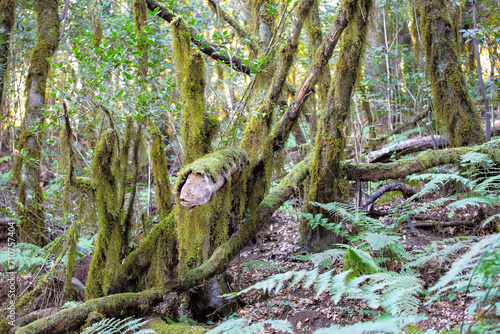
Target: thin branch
212,50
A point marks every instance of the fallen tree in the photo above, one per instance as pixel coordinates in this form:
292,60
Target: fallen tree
406,147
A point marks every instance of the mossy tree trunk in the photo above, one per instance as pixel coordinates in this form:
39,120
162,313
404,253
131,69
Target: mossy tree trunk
30,209
327,181
452,102
7,16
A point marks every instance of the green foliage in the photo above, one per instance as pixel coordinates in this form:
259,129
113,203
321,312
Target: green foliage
324,259
260,265
112,326
23,257
397,293
440,251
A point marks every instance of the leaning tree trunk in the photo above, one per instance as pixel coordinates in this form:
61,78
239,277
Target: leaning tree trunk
30,209
327,182
452,102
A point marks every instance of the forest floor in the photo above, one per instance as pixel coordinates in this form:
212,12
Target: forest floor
279,245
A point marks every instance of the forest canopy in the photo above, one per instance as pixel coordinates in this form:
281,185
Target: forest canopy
223,166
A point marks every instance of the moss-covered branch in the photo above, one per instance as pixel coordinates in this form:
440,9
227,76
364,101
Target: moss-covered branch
119,305
322,56
403,168
200,180
212,50
259,127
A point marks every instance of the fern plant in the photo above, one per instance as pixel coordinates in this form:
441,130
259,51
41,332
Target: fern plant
115,326
238,326
22,257
477,274
260,265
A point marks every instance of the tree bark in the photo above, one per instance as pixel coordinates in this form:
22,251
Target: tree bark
452,102
30,209
7,16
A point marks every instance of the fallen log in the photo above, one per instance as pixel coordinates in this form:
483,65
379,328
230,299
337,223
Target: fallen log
406,147
119,305
402,168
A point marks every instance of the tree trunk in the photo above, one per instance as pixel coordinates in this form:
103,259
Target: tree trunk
327,182
30,209
452,102
7,16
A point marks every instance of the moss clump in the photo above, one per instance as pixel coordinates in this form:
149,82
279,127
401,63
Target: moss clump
197,125
155,259
160,172
105,260
202,228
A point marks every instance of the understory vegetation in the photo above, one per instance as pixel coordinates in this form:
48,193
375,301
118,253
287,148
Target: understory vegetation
253,166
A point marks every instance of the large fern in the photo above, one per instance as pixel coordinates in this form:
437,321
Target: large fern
384,325
397,293
238,326
115,326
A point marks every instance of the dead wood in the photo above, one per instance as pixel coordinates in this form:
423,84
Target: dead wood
406,147
405,189
119,305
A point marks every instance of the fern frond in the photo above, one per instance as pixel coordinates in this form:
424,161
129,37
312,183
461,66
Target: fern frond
385,325
397,293
260,265
324,259
113,326
378,241
472,201
435,251
488,245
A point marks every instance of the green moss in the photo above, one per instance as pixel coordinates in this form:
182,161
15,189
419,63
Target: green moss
70,266
105,260
452,103
197,125
202,228
155,259
160,172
